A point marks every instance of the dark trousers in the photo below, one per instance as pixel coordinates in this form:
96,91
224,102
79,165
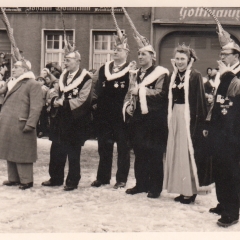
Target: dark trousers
148,149
58,157
108,133
42,125
226,174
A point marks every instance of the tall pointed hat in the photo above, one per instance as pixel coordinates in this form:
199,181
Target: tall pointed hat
225,40
17,57
69,50
142,42
120,38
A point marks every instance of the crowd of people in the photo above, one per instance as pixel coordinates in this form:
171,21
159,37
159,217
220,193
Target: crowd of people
183,128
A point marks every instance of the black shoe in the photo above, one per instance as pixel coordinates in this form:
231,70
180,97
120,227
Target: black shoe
69,188
119,185
217,210
98,183
179,198
9,183
226,221
134,190
189,200
153,195
24,186
49,183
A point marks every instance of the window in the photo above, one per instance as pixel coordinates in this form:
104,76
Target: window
103,44
54,46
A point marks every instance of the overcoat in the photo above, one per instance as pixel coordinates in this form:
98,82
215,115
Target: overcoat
22,106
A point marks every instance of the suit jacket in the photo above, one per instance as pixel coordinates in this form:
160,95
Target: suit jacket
22,106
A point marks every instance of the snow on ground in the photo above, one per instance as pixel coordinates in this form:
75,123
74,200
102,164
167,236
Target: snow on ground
90,210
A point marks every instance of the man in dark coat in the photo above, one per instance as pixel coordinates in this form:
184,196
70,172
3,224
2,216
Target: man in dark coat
111,88
224,134
69,129
146,101
18,119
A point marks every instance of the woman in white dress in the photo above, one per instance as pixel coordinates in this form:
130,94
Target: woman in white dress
186,172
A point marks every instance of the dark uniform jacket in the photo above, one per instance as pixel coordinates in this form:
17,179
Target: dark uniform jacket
225,125
110,92
70,122
153,123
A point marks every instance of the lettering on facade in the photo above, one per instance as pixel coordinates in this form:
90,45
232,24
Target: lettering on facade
75,9
37,9
29,10
186,12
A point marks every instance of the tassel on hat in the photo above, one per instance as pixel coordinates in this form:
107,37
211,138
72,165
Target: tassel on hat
142,42
69,50
17,57
225,40
120,38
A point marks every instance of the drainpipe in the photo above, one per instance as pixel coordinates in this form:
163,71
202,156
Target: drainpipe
152,19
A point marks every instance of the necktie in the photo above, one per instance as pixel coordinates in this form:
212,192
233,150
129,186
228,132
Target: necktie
69,79
142,74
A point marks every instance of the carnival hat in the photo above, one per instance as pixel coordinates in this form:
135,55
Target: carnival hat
142,42
17,57
69,50
120,38
225,40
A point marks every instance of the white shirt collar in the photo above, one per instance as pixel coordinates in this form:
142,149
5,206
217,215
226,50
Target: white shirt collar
120,65
234,65
74,73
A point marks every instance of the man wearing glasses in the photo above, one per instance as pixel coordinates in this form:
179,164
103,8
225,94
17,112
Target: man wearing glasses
224,134
18,119
69,131
109,94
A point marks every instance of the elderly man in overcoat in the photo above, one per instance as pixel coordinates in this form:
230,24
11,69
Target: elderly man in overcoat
18,118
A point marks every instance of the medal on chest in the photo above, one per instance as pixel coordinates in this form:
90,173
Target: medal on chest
103,84
122,84
225,104
116,85
181,84
75,91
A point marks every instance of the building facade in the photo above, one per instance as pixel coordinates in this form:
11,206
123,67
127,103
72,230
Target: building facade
195,27
39,32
